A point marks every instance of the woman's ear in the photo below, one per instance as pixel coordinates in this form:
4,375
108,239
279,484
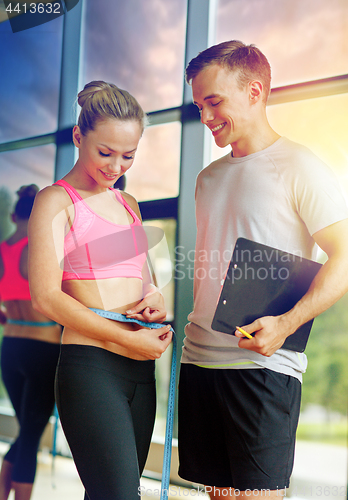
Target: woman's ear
77,136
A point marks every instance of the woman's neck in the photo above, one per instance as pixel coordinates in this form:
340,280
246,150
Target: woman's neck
20,233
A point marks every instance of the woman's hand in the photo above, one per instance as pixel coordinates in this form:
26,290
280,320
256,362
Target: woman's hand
149,343
151,309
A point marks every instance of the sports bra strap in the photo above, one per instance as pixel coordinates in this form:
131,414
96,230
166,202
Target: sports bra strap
74,195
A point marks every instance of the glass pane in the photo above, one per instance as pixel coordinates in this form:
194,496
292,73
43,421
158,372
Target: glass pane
164,269
302,40
27,166
321,446
29,84
162,261
155,172
321,124
217,152
139,46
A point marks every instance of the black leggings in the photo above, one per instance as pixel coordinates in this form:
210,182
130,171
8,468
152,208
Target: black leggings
107,405
28,368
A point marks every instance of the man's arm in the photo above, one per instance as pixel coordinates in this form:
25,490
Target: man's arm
329,285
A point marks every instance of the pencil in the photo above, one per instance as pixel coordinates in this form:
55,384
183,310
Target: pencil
244,332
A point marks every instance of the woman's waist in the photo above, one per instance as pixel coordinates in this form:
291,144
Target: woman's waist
115,294
74,337
47,331
21,314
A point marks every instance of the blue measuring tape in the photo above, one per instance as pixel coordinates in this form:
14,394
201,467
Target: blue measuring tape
30,323
167,453
54,443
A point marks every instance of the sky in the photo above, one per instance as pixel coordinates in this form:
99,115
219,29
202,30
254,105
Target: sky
139,46
303,39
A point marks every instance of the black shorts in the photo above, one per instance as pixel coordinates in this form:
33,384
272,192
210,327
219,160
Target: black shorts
237,428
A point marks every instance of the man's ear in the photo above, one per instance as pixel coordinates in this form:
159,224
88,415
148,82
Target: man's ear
255,90
77,136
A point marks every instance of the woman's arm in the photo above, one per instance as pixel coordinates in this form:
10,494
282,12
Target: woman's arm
46,251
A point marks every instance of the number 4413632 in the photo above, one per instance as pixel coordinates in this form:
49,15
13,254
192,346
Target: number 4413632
34,8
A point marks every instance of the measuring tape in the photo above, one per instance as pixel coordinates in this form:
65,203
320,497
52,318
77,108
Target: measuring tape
167,453
30,323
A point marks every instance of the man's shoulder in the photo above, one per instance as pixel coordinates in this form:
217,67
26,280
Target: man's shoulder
292,157
289,149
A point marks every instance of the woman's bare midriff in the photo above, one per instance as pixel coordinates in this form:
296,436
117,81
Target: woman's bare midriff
114,294
23,310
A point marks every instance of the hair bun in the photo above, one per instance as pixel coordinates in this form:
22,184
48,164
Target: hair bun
89,90
29,191
100,100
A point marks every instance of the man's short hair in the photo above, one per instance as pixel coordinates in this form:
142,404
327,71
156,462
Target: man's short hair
247,61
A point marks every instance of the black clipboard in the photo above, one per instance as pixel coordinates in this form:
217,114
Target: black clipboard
263,281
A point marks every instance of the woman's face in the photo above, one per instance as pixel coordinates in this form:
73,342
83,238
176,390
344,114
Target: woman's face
108,151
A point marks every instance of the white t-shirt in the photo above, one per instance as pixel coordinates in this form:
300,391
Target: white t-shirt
280,197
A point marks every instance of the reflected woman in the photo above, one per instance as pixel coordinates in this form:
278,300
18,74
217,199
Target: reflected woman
29,355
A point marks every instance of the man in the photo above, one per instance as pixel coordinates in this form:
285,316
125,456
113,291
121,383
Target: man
239,398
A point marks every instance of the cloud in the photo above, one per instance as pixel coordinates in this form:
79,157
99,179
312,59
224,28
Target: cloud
142,47
29,85
302,40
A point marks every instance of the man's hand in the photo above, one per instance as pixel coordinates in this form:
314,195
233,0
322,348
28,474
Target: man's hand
328,286
151,309
270,333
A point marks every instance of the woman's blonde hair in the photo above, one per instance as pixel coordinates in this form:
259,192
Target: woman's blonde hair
100,100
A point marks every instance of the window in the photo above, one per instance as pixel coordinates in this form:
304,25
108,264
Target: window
320,124
162,257
139,46
29,84
28,166
303,41
155,172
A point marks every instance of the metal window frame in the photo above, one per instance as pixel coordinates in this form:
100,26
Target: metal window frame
195,139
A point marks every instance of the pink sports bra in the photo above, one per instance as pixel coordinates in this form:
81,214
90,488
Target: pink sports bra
95,248
12,285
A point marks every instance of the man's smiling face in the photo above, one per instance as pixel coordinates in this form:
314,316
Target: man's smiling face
225,108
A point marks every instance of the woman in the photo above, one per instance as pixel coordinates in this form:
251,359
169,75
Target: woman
87,250
29,355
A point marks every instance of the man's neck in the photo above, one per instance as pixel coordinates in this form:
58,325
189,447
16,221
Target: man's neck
258,138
